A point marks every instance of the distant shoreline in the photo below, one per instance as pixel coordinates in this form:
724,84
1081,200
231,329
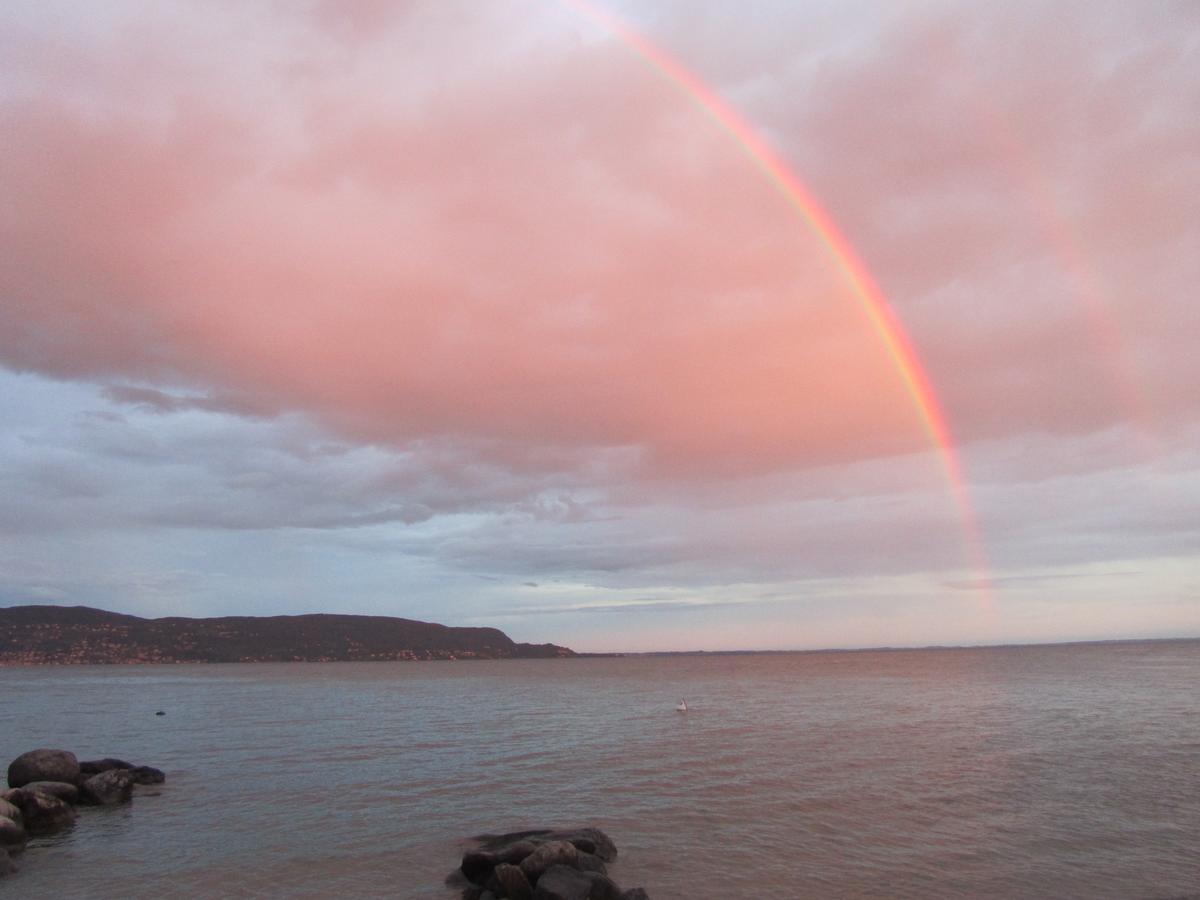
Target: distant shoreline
81,635
38,635
890,649
656,654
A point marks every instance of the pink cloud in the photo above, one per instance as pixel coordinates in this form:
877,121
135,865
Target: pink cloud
538,241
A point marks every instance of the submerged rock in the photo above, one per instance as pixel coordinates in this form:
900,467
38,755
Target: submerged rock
107,788
43,765
11,832
42,813
147,775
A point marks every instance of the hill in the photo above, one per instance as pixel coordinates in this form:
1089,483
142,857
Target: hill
32,635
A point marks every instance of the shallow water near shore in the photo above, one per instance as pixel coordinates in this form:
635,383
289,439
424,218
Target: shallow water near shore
1068,771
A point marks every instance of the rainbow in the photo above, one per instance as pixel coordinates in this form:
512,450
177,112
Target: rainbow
871,299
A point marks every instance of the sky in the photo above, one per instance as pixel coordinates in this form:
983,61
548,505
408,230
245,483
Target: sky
628,326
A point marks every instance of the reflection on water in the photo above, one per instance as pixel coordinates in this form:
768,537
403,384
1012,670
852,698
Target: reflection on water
1030,772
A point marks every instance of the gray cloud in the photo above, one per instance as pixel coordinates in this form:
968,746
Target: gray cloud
154,400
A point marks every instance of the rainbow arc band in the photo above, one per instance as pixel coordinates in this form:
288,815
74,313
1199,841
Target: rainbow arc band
870,298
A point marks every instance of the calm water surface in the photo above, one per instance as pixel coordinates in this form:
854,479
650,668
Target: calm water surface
1069,771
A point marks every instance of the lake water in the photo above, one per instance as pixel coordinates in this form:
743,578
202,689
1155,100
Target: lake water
1068,771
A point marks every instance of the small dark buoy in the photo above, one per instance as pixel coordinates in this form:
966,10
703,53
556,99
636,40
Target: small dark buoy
160,713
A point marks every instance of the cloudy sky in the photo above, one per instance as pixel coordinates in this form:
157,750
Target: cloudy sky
485,313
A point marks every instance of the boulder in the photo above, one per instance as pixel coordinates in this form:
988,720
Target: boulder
515,852
147,775
11,832
516,866
96,766
512,882
564,883
108,788
551,853
43,765
43,813
635,894
477,865
6,863
603,887
589,863
68,793
589,840
9,811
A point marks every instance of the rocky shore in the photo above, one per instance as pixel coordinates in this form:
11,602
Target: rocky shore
45,786
542,864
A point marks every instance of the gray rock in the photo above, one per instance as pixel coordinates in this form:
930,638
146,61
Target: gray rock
43,813
108,788
147,775
96,766
589,863
68,793
563,883
603,887
513,883
11,832
9,811
552,853
43,765
635,894
6,863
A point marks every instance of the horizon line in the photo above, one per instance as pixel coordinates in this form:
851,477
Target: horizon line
894,648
